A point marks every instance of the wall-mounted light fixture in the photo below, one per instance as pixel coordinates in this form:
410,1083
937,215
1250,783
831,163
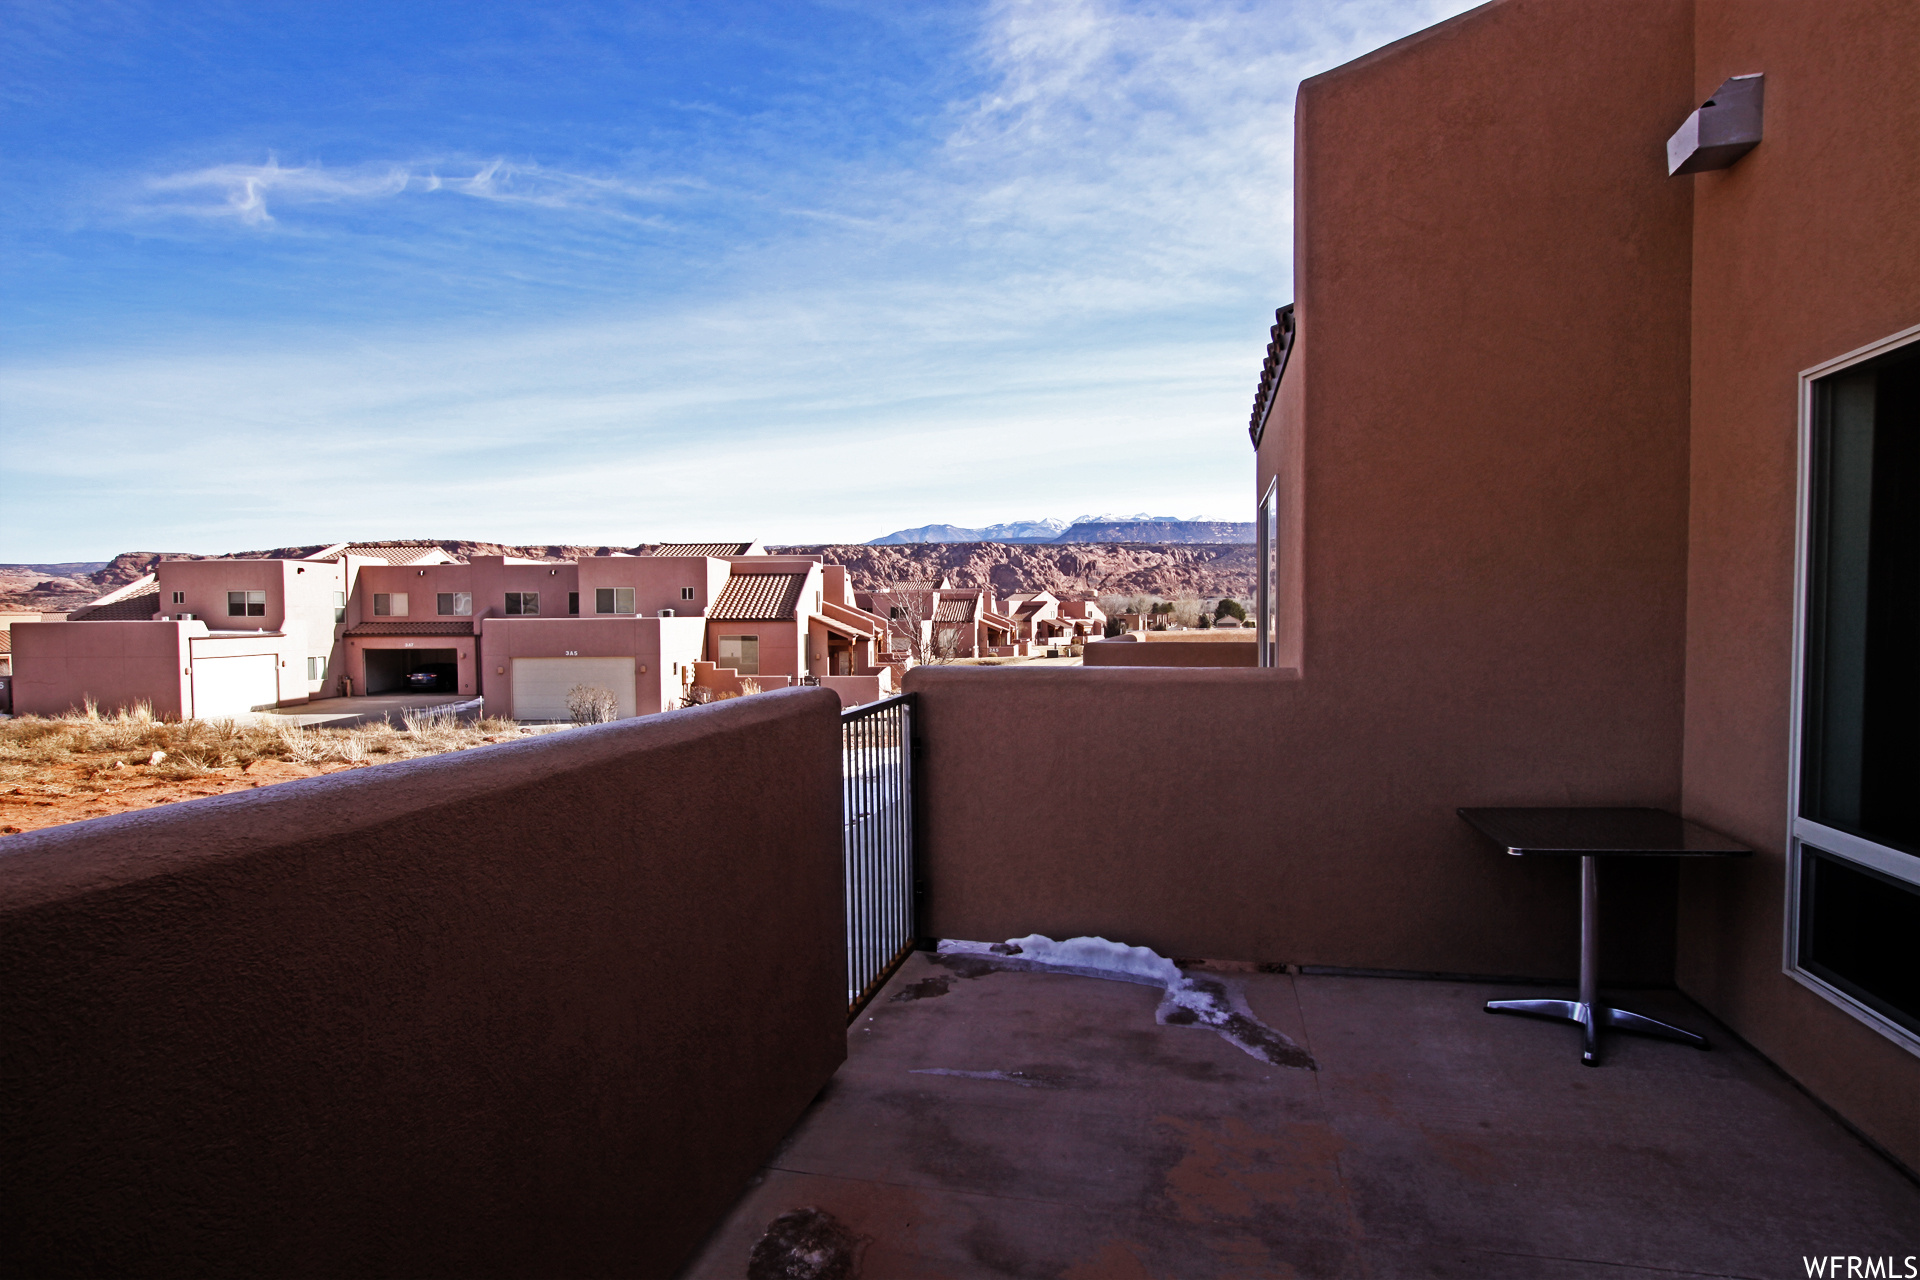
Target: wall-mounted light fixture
1726,127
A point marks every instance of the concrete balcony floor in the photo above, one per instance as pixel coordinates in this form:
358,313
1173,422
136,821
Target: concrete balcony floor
1433,1140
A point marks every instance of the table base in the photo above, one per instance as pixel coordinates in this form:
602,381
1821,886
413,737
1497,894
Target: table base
1590,1018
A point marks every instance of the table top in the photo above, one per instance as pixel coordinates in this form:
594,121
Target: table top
1600,832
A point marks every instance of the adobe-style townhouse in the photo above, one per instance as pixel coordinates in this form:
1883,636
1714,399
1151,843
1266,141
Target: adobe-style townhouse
202,638
972,622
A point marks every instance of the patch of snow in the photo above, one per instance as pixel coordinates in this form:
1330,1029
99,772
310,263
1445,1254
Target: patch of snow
1205,1001
1080,955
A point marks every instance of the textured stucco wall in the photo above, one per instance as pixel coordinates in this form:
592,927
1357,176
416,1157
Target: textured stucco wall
58,665
1483,442
1172,653
539,1009
1803,251
1235,815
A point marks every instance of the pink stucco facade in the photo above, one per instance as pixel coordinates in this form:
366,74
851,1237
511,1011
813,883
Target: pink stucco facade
369,619
169,666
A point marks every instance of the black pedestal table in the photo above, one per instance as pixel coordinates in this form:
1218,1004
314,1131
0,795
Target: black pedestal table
1592,834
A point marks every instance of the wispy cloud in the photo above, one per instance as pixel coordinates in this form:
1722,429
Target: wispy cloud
245,191
1056,302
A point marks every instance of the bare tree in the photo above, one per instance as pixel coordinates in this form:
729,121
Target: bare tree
909,608
590,704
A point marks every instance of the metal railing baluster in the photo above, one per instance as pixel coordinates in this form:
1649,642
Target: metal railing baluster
876,787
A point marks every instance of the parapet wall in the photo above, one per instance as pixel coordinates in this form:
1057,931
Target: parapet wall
1234,815
537,1009
1173,653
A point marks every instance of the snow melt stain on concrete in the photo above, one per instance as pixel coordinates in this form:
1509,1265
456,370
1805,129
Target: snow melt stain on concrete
1212,1002
1025,1079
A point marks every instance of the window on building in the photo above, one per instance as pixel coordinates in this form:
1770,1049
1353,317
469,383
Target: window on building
1267,589
686,593
523,603
458,604
390,604
893,611
246,604
179,597
613,600
573,603
339,606
316,668
1857,828
742,653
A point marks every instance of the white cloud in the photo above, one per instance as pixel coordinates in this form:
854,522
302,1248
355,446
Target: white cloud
242,191
1060,305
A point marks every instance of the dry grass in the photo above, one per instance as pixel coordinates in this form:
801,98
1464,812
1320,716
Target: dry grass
53,759
190,747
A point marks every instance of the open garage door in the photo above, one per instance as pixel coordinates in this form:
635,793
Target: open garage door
540,685
235,686
413,670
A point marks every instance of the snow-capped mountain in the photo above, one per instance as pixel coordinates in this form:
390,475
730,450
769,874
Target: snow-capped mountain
1087,528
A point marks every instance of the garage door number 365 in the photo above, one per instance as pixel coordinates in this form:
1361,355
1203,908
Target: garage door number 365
573,653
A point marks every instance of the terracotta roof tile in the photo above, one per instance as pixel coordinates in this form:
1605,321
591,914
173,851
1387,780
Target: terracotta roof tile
390,552
702,549
411,629
1279,347
136,606
759,597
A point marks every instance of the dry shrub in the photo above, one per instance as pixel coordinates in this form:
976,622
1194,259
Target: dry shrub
90,743
590,704
748,685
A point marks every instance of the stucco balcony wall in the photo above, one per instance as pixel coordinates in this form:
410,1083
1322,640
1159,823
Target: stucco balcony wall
1231,814
1172,653
536,1009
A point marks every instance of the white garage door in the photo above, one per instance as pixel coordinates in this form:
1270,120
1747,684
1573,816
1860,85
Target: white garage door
235,686
540,685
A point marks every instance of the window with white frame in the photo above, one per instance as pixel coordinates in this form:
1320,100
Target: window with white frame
457,604
339,606
179,597
686,593
613,600
390,604
316,668
1854,918
742,653
1267,589
523,603
246,604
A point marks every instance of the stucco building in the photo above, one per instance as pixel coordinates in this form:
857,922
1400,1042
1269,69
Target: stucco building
1584,476
226,636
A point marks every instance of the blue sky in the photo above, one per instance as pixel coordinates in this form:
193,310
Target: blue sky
286,273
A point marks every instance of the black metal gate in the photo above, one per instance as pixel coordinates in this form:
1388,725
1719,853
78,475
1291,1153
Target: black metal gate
878,844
